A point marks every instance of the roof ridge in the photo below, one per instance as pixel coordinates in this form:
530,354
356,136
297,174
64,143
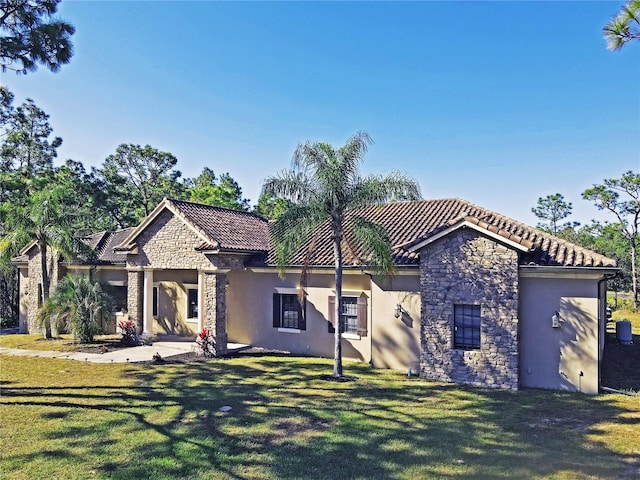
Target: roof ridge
217,207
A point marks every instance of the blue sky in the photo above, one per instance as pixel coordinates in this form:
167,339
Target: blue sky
498,103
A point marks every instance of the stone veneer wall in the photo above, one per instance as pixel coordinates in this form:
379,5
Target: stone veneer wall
35,280
215,309
169,243
468,268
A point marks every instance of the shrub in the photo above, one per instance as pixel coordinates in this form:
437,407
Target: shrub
622,303
207,343
128,330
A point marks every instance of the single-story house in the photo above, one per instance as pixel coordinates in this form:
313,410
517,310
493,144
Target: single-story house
476,297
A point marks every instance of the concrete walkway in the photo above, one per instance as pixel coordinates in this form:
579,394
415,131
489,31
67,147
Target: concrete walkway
132,354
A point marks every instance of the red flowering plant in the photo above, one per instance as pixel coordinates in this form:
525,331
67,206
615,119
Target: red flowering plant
128,330
207,343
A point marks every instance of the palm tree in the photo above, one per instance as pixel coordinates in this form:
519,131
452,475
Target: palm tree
79,304
323,184
42,220
623,27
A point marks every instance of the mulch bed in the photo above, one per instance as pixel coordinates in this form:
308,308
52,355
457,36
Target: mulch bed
99,346
189,357
621,364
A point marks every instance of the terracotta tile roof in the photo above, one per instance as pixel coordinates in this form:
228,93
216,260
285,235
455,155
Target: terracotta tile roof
226,229
107,241
101,243
409,223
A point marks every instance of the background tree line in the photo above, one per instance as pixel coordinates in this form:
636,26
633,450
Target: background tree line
617,239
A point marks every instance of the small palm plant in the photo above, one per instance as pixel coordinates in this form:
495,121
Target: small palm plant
78,304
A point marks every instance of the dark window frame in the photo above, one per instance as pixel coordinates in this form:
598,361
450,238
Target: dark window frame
192,304
467,326
119,295
285,305
155,301
361,309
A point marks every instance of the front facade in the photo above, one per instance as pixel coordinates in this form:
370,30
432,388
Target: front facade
476,298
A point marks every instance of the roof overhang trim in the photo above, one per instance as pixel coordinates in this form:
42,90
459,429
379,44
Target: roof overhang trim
555,271
27,247
399,270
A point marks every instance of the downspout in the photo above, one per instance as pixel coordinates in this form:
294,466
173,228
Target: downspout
602,330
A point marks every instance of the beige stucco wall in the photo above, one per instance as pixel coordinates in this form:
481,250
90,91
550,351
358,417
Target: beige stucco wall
249,313
172,309
396,341
564,358
172,302
392,342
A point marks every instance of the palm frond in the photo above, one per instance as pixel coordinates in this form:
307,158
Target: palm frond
353,151
294,185
293,228
375,189
375,245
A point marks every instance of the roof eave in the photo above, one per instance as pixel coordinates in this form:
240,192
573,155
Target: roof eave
564,270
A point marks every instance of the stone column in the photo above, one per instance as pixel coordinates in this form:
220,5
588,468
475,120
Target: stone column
134,297
214,308
147,304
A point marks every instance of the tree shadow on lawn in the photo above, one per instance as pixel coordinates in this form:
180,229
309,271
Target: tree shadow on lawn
287,422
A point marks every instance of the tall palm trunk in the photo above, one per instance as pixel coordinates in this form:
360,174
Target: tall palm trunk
337,255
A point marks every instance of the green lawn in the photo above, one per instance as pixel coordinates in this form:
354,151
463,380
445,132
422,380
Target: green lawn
632,316
62,343
67,420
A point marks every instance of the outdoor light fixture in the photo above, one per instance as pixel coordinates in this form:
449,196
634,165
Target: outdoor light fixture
555,320
398,311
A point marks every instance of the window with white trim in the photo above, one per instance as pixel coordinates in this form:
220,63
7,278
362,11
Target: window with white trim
288,311
466,327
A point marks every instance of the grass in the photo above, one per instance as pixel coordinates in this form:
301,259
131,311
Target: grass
627,314
63,343
621,363
73,420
